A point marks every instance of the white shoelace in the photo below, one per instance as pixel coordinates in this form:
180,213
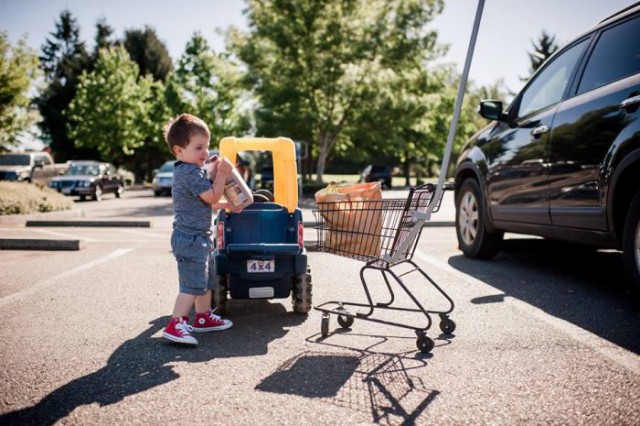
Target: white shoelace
184,329
214,316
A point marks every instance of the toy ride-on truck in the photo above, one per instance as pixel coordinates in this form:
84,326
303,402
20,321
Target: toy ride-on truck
260,251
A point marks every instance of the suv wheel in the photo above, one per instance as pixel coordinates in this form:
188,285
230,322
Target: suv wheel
474,239
631,245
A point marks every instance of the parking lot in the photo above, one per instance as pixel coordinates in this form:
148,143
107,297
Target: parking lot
545,335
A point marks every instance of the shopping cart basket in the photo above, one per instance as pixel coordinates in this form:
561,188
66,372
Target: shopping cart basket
384,234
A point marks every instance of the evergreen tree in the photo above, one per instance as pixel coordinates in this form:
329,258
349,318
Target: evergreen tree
151,55
544,48
64,58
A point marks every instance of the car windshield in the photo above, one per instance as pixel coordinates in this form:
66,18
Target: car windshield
379,169
83,169
15,160
166,167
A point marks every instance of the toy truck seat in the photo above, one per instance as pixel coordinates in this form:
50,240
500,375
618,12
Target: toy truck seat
260,251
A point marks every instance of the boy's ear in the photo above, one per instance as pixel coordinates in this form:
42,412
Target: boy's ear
177,149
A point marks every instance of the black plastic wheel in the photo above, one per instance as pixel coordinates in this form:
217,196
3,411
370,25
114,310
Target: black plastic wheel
344,321
447,326
220,295
425,344
301,293
324,325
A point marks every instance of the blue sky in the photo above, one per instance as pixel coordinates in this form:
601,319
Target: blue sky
506,31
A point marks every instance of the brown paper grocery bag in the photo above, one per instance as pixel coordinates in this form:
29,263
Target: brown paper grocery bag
353,214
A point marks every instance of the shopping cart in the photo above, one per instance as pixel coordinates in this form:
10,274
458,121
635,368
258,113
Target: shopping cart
384,234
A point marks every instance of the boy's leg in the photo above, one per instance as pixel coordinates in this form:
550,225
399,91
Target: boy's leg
178,330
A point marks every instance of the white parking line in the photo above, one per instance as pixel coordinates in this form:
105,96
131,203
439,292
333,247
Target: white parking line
53,280
62,235
619,355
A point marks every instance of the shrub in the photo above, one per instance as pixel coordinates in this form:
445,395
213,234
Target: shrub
28,198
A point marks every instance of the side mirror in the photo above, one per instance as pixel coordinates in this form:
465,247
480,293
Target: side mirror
492,110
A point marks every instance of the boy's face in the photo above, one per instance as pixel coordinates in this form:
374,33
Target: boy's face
197,152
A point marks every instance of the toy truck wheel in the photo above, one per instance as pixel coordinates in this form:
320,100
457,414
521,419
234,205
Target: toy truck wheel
301,293
220,295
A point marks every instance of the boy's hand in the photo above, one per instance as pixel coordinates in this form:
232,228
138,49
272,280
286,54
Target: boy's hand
213,167
225,166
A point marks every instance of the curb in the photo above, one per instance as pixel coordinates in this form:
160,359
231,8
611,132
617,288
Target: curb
39,244
91,223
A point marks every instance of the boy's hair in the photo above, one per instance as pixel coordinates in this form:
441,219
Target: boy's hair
178,132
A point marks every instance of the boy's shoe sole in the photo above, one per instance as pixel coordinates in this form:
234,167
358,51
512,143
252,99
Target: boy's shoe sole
184,341
226,326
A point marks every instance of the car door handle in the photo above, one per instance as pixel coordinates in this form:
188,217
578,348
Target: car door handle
630,102
539,130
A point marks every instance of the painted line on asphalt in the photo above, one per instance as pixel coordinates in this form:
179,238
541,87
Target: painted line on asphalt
620,356
164,236
54,280
61,234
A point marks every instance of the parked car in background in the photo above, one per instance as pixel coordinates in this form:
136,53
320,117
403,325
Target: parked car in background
377,173
29,167
562,161
89,179
163,179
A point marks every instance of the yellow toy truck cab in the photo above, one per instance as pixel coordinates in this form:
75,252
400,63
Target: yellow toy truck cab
260,252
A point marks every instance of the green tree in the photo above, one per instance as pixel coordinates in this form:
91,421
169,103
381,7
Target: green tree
320,68
18,72
151,55
63,59
209,85
112,110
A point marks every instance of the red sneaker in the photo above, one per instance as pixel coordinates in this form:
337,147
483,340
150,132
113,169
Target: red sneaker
210,322
178,330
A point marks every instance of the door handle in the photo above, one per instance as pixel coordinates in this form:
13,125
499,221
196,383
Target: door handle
536,132
630,102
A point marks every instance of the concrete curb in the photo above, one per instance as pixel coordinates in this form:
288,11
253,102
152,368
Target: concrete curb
57,215
40,244
91,223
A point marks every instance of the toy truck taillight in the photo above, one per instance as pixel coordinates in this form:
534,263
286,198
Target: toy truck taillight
300,234
220,235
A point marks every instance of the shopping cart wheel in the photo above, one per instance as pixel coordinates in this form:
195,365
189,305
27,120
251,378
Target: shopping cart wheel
425,344
447,326
324,325
344,321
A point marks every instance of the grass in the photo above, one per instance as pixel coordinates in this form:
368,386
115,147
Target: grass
396,182
28,198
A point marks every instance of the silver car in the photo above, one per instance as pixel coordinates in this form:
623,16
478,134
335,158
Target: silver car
163,179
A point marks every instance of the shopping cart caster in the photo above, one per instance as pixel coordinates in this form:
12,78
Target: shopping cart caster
324,325
344,321
447,325
425,344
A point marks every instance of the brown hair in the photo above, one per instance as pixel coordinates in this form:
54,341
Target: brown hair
178,132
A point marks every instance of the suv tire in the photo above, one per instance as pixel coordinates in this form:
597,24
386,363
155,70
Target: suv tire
474,239
631,245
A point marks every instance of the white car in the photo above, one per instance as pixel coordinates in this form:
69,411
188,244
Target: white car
163,179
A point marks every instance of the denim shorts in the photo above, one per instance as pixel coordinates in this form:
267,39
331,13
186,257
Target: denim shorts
196,264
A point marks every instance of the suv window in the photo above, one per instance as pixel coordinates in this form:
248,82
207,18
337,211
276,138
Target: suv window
550,85
616,55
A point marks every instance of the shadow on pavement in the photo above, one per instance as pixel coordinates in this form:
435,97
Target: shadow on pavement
578,284
143,362
375,383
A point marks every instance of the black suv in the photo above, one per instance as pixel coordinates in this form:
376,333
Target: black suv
562,160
